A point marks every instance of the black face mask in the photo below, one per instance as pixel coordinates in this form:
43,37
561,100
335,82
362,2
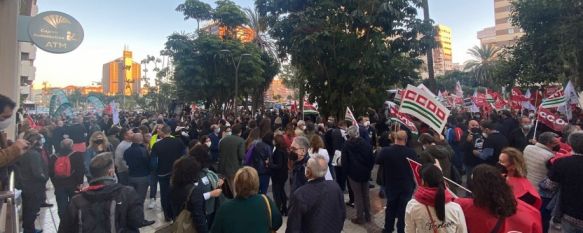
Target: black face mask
293,156
556,148
502,169
476,130
99,141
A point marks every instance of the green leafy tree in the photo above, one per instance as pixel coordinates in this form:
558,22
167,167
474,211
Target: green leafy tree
349,52
229,15
197,10
551,49
483,63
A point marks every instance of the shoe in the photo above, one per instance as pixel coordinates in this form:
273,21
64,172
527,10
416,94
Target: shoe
351,204
45,205
147,223
357,221
152,203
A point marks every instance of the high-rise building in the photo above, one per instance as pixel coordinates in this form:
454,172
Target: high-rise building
503,34
442,53
27,56
122,76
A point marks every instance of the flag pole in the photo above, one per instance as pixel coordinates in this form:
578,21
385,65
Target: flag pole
535,123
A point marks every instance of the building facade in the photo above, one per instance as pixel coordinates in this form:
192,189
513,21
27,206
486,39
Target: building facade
27,70
442,54
122,76
503,34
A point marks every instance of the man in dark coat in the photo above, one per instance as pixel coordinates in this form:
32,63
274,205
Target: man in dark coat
232,152
493,144
522,136
317,206
299,156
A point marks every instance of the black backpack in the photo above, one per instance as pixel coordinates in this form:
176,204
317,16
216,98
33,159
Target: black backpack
101,216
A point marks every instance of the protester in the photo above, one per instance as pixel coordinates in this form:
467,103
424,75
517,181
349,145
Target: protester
522,136
494,208
185,194
66,181
120,164
568,172
138,162
232,153
31,176
432,152
432,209
473,141
317,147
318,206
261,155
398,180
78,132
358,160
166,152
279,173
299,156
209,182
98,143
215,138
248,211
112,136
493,144
513,166
8,154
91,210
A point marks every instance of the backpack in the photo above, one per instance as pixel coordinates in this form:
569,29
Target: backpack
62,166
98,216
183,222
209,181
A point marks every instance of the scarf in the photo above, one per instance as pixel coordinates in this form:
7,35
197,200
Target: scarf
426,195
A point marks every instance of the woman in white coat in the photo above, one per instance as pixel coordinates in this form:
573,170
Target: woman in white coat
432,210
317,147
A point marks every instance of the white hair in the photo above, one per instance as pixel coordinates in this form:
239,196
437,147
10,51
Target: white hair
318,165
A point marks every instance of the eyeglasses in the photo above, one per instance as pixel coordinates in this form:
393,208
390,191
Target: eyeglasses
295,149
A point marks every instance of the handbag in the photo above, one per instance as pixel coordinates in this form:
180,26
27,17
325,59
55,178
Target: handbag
268,212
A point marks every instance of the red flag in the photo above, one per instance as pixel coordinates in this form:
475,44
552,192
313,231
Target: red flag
551,90
415,168
550,119
517,95
536,98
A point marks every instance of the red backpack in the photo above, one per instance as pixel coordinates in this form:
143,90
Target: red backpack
63,166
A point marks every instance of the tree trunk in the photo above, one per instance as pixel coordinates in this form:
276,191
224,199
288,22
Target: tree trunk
429,50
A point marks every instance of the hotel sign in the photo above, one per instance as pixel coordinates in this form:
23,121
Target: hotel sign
55,32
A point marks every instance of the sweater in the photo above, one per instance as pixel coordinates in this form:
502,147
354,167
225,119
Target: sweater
244,215
137,160
417,218
536,157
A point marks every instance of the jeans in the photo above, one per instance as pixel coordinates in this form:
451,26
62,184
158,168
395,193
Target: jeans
279,195
165,196
122,178
153,185
570,228
397,199
546,213
140,184
63,195
263,183
31,201
361,199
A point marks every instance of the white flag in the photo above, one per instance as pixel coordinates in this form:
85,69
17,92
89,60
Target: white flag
571,94
526,104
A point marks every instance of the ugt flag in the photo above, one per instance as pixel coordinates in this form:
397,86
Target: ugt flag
421,104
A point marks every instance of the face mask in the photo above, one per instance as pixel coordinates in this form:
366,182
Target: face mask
485,135
501,168
526,127
217,130
99,141
475,130
293,156
208,144
557,148
228,133
42,141
366,123
5,123
303,127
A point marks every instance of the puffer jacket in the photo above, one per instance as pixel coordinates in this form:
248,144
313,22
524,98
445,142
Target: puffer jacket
92,208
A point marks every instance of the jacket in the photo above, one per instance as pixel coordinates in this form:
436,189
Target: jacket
357,159
417,218
298,176
232,152
443,154
245,215
317,207
519,140
138,161
77,171
94,201
214,148
396,170
196,205
526,218
167,151
31,172
279,169
261,153
8,155
536,158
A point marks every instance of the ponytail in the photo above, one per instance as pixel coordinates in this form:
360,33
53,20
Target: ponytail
440,202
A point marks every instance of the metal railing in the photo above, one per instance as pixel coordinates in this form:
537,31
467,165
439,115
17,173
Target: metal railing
8,212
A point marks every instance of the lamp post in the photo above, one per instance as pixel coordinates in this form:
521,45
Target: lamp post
236,65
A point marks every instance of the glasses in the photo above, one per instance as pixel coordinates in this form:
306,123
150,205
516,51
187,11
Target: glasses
295,149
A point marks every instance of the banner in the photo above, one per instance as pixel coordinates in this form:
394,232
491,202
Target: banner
350,117
404,120
551,120
420,104
115,113
96,103
555,100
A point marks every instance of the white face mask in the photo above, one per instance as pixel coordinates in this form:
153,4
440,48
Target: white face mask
208,144
303,127
227,133
217,130
366,123
5,123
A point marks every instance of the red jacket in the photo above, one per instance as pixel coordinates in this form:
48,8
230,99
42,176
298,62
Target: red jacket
526,220
521,186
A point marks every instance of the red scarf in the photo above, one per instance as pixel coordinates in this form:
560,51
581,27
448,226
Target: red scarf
426,195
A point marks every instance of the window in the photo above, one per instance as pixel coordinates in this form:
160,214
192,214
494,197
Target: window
510,30
24,56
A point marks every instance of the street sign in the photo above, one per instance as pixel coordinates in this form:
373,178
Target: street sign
55,32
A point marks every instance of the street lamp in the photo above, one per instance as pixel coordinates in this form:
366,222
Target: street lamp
236,65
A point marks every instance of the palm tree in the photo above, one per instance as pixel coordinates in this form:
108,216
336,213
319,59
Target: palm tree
258,24
483,63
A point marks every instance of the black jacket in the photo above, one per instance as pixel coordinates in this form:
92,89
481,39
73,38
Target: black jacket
30,172
317,207
77,133
357,159
261,153
166,151
443,153
519,140
298,177
497,142
278,166
137,159
195,206
77,171
396,170
94,203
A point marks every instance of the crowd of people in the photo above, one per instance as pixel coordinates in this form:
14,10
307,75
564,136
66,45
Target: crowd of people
494,174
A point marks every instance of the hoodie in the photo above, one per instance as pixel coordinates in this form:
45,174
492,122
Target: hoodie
357,159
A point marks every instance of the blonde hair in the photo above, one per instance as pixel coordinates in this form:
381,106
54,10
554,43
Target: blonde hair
94,136
516,158
246,182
